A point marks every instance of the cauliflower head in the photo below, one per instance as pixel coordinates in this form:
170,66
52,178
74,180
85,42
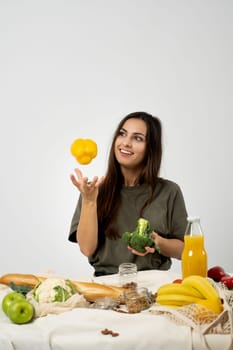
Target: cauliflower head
53,289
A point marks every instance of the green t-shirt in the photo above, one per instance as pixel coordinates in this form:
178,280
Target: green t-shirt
167,216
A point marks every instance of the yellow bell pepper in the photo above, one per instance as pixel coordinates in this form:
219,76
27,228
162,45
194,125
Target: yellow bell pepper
84,150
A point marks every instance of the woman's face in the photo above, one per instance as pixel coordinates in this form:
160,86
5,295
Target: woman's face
130,144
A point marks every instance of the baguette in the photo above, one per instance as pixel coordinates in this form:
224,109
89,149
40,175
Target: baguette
90,290
93,291
20,279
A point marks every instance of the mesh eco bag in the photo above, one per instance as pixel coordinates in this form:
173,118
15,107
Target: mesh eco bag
201,319
43,309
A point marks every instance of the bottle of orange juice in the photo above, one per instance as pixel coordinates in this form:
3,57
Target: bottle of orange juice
194,256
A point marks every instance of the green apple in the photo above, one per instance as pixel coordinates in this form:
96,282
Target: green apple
10,298
20,311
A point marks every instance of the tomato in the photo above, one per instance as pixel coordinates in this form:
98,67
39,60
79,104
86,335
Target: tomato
178,280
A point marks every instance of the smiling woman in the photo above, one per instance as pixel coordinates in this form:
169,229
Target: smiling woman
111,205
130,148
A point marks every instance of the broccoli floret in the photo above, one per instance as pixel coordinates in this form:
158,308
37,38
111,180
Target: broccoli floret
140,237
127,236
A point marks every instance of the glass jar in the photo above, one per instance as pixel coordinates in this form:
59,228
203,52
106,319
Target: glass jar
137,300
127,273
194,256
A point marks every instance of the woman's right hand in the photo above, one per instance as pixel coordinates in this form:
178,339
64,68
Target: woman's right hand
88,189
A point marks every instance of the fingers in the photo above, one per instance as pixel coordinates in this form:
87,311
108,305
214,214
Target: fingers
148,250
81,181
73,179
155,236
79,176
100,181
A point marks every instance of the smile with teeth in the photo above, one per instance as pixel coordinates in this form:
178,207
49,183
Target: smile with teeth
125,152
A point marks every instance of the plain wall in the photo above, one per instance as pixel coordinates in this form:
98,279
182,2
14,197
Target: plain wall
71,69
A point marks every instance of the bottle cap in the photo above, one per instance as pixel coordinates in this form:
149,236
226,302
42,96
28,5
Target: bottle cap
193,218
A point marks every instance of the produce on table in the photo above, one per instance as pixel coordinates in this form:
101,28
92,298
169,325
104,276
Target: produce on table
91,291
177,280
20,289
216,273
17,308
53,289
10,298
140,237
84,150
227,280
193,290
21,311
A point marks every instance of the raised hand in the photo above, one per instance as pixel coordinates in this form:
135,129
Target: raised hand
88,189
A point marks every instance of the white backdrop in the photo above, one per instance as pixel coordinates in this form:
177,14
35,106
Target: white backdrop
72,69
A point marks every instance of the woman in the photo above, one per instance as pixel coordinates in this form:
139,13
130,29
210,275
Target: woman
111,205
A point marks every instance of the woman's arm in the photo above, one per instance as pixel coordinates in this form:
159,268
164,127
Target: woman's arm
87,230
171,247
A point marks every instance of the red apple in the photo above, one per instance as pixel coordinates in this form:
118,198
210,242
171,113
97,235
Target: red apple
216,273
227,280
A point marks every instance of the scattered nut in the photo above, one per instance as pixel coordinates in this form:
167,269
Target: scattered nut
130,285
109,331
114,334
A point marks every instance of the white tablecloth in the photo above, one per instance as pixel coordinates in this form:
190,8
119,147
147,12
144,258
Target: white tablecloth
81,328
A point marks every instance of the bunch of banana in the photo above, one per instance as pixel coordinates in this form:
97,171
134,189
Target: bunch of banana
192,290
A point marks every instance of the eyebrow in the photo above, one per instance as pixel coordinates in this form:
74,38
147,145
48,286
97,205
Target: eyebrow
134,133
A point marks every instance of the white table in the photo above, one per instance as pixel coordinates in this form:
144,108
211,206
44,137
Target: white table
81,328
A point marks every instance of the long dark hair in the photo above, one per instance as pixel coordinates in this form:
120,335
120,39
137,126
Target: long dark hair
109,193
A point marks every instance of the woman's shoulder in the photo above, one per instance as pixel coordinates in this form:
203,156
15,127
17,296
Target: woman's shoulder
162,185
169,184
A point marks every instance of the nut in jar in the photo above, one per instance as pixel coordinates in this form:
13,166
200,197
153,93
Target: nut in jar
137,300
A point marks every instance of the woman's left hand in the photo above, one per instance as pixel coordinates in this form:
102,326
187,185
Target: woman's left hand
148,250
